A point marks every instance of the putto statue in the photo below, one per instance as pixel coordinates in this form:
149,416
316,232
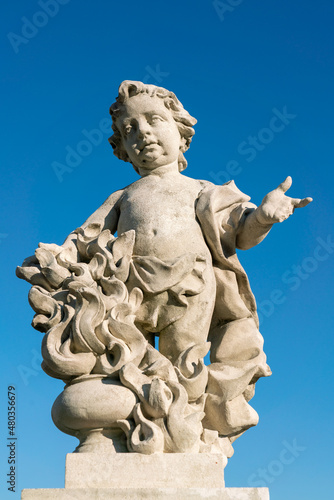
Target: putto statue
171,273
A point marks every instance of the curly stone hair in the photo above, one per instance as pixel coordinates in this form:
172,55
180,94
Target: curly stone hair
183,120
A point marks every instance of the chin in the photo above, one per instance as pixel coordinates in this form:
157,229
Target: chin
151,163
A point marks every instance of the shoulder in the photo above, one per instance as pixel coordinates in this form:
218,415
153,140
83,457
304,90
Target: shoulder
114,197
200,184
215,198
206,184
229,186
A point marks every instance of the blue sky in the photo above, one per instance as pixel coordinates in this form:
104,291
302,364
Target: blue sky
235,69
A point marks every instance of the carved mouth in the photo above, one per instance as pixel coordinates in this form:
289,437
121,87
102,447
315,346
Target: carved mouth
148,145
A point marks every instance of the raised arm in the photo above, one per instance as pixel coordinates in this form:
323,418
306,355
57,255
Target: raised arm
275,207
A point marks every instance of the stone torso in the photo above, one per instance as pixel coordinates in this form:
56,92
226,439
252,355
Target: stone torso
165,224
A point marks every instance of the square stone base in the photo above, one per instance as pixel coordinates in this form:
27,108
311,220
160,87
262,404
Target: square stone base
132,476
147,494
134,470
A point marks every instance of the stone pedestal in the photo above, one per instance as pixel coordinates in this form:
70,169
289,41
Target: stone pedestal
131,476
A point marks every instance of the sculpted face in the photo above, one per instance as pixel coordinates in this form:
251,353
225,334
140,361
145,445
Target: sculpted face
150,135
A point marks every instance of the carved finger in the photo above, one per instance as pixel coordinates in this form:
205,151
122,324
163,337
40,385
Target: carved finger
285,185
301,203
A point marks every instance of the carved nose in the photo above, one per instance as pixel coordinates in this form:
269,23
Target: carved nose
143,133
143,129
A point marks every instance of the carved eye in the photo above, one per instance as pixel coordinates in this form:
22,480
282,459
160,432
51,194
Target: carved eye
156,118
127,129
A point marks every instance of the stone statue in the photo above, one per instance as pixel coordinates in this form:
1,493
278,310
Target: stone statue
171,273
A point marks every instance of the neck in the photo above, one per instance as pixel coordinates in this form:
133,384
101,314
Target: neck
170,169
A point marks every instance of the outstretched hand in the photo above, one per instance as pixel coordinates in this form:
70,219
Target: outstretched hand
277,207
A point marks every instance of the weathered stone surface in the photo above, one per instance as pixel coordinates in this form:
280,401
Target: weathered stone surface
148,494
171,272
87,470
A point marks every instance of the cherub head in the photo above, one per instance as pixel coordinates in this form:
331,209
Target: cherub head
159,114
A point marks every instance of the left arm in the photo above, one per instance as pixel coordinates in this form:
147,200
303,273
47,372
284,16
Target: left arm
275,207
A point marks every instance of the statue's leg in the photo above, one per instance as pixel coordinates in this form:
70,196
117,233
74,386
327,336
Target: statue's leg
193,327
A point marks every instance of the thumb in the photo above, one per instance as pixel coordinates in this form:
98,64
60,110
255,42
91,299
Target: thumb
285,185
